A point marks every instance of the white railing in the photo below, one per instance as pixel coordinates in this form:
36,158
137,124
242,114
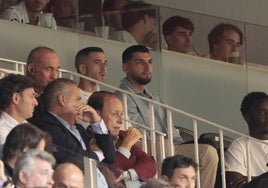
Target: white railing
19,68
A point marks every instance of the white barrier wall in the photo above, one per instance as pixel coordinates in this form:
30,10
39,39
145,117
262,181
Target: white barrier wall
207,88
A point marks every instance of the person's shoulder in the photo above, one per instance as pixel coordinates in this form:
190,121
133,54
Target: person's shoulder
12,13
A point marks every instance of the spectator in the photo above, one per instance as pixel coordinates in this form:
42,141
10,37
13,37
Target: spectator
138,20
26,12
178,33
136,164
20,140
34,169
137,64
42,66
5,181
64,11
223,40
91,62
5,3
112,10
63,105
68,175
18,100
254,108
179,171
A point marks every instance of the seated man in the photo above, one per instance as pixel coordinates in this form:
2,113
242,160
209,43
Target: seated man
137,64
254,108
42,67
34,169
68,175
178,32
26,12
20,140
131,162
18,100
224,41
91,62
179,171
63,106
138,20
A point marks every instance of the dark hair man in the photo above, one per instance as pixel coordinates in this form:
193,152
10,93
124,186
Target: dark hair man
179,171
254,109
138,64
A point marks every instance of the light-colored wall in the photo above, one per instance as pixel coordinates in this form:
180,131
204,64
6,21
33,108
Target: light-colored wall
207,88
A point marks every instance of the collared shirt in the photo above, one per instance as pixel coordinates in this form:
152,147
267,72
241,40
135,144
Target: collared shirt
98,127
7,123
138,110
123,36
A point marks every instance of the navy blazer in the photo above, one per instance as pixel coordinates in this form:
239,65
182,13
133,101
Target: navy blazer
67,146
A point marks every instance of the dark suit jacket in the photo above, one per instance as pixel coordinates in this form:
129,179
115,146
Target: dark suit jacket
68,147
141,162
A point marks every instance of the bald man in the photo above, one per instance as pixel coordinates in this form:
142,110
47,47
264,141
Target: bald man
63,178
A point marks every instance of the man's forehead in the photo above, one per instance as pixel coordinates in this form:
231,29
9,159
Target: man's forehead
141,55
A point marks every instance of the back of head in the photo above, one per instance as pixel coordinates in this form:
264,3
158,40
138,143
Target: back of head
62,176
127,54
135,11
54,88
178,161
13,83
250,100
26,163
21,137
171,23
96,100
217,33
83,54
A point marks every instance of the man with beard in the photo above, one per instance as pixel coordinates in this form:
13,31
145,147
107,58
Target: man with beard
26,12
91,62
137,64
254,109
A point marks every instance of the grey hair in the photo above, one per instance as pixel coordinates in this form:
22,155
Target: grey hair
26,162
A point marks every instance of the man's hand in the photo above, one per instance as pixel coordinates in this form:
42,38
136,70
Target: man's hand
133,136
235,180
87,113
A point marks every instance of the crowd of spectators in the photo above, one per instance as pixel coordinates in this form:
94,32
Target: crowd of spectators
133,22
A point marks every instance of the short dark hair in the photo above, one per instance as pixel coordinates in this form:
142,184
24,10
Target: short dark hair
21,136
178,161
83,53
250,99
12,83
135,11
96,100
54,88
176,21
127,54
217,32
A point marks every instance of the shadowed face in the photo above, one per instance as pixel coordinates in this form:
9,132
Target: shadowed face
36,5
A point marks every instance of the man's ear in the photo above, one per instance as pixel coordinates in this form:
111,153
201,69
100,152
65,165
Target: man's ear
30,68
62,99
165,178
26,149
125,67
82,69
23,177
15,98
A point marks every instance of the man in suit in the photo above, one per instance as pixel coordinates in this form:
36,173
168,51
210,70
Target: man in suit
63,106
132,164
